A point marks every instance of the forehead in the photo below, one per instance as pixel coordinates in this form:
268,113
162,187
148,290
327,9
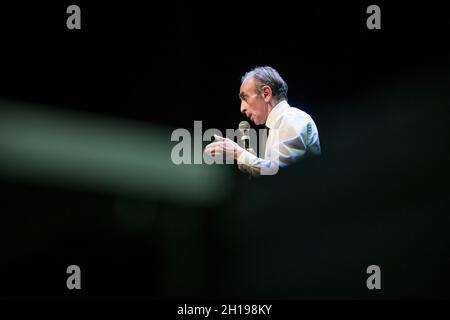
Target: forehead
248,85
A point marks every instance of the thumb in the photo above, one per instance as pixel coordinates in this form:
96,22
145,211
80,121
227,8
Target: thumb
219,137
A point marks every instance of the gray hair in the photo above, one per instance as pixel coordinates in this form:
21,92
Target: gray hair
268,76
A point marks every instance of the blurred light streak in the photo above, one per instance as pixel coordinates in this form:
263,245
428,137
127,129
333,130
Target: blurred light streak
101,153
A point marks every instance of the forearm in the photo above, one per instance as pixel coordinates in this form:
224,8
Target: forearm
256,165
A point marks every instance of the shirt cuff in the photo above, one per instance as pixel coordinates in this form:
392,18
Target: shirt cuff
246,158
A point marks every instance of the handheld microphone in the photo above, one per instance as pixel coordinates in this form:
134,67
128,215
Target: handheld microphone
244,128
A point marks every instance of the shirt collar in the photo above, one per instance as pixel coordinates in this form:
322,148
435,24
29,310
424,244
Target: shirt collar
276,113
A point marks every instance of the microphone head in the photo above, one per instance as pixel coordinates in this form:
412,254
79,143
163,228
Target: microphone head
244,125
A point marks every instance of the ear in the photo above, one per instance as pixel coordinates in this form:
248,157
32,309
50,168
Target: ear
266,93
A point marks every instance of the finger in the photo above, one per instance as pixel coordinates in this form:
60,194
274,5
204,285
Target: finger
219,137
208,148
209,145
212,145
210,151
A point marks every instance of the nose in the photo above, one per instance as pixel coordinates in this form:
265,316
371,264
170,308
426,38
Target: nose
243,107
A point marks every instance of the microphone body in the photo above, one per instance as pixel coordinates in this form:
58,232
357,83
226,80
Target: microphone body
244,127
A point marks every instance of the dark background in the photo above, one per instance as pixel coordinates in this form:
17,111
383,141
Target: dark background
377,195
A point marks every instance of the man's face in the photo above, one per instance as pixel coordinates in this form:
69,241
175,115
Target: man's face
252,102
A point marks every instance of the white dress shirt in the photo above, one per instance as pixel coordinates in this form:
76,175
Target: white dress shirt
292,135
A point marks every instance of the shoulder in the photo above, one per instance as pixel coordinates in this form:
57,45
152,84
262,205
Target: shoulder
295,119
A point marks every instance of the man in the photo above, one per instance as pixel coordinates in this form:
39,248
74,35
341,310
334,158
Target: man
293,133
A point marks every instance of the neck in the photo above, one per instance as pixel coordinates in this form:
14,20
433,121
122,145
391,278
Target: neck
271,106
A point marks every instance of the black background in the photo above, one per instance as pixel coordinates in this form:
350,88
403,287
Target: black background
377,195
